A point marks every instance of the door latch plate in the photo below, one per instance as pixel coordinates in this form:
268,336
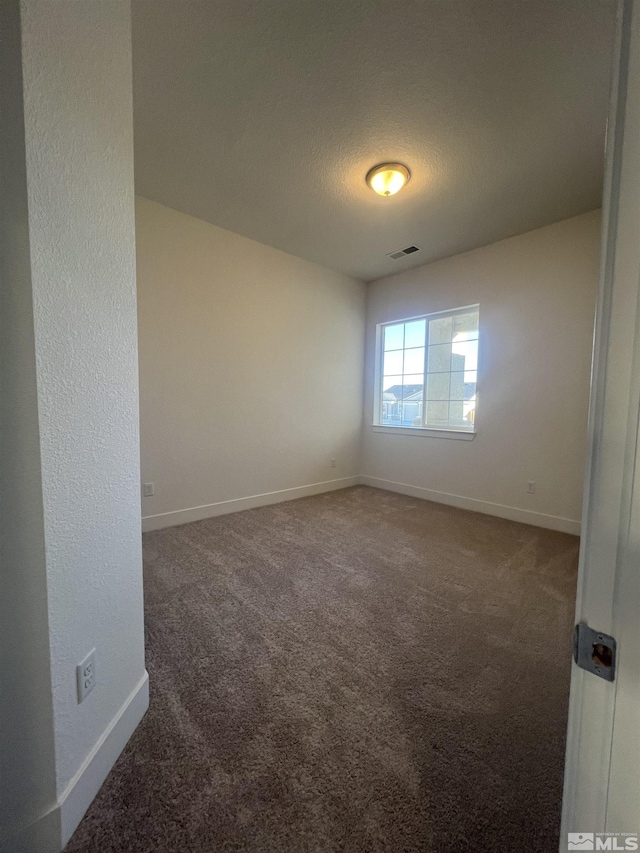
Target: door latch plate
594,651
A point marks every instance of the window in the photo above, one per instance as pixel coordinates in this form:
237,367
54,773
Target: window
427,371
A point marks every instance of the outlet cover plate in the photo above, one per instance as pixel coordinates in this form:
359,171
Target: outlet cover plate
86,675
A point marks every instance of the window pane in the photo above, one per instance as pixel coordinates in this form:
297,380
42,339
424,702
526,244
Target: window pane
470,385
391,413
412,413
414,334
456,414
437,414
440,330
466,324
438,386
439,358
465,355
390,382
469,409
414,360
390,404
386,416
394,336
447,393
457,386
392,362
412,384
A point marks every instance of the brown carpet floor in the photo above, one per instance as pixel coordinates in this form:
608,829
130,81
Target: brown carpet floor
357,671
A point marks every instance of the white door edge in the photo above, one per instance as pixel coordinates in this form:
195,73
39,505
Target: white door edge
592,778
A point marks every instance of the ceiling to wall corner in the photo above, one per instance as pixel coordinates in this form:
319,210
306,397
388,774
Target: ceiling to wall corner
264,116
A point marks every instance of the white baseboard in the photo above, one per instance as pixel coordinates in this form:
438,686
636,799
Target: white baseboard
51,831
83,788
198,513
525,516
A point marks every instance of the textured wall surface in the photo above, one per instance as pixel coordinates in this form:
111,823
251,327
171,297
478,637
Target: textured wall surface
537,301
79,147
264,118
27,777
251,365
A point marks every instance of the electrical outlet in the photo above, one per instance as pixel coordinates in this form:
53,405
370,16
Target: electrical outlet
86,675
333,463
149,490
531,487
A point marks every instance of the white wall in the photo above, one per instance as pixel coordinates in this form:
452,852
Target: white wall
251,368
537,301
72,276
27,752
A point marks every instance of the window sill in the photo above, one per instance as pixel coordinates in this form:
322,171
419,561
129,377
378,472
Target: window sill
458,434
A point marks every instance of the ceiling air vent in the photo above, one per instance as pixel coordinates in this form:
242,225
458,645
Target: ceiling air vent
402,252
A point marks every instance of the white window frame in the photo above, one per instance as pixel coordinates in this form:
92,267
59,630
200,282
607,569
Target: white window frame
435,432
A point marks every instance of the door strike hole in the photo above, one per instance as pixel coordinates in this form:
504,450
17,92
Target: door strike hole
602,655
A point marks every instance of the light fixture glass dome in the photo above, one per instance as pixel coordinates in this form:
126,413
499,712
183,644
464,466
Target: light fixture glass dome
388,178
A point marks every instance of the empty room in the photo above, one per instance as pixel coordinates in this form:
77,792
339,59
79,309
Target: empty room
320,401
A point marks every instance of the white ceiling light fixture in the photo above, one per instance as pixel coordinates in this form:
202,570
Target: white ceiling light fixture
388,178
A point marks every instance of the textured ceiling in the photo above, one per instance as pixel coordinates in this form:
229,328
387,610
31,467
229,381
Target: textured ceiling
263,117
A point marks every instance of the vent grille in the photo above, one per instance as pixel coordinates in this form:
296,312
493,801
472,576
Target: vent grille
400,253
